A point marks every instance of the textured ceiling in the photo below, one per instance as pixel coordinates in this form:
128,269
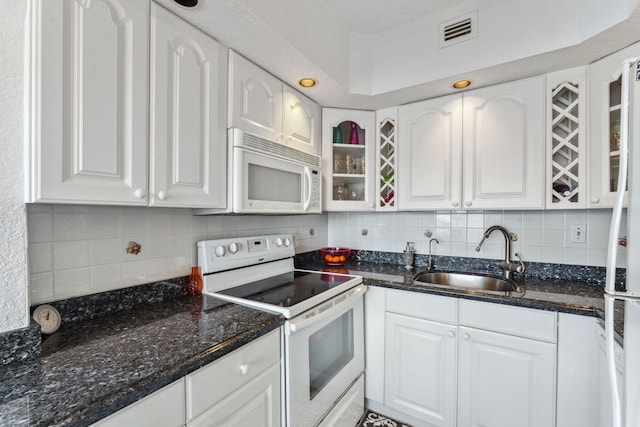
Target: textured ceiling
344,43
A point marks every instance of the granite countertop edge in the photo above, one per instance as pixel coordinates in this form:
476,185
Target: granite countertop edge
148,386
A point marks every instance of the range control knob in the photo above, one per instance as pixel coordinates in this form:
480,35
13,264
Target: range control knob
287,242
233,247
220,251
279,242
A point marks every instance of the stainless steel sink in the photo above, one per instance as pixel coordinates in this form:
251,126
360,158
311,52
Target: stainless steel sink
467,281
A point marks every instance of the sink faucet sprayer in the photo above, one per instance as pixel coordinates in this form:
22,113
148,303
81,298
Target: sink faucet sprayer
430,263
507,266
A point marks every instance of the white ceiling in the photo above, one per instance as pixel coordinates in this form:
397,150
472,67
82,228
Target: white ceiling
375,16
370,54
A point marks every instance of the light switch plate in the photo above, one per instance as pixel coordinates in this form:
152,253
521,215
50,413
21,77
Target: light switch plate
578,233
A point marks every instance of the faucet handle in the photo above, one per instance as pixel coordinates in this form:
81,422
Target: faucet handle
522,266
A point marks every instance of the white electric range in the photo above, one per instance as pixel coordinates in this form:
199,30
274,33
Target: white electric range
324,328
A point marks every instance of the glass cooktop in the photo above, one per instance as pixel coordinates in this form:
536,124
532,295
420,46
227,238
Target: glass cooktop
289,289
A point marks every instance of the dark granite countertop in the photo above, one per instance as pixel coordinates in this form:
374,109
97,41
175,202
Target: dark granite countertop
553,294
92,368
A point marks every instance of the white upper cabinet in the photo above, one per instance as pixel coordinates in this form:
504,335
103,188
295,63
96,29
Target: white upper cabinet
262,105
566,180
88,95
604,126
430,154
482,150
301,122
504,146
188,160
347,155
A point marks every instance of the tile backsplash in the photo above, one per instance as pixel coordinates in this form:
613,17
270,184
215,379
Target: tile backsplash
543,236
81,250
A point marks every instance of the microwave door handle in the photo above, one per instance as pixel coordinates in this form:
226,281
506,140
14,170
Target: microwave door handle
307,188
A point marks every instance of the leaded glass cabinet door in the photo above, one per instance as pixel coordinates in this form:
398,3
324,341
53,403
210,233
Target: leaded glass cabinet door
566,156
604,127
386,140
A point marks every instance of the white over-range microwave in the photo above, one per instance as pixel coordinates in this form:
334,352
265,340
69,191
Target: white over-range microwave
267,177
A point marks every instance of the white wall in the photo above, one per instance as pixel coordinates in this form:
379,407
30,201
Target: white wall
80,250
13,284
543,236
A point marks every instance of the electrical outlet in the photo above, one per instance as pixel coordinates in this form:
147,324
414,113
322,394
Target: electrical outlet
578,233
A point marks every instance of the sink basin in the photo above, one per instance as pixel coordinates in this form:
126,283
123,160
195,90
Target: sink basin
467,281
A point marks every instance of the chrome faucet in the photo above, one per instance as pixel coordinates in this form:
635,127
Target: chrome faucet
507,266
430,263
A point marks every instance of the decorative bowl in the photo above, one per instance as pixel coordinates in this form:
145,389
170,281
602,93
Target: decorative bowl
335,256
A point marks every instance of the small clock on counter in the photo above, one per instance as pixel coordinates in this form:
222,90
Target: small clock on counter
48,318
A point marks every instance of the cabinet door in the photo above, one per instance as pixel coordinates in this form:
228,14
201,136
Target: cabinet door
257,404
301,122
188,109
504,145
505,380
566,100
351,186
604,126
430,154
89,89
255,99
420,369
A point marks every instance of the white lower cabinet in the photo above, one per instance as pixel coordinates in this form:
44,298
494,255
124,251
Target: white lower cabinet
257,404
239,389
165,407
451,362
420,368
505,380
242,388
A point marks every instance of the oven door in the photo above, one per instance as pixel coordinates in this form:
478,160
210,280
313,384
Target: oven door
324,350
266,184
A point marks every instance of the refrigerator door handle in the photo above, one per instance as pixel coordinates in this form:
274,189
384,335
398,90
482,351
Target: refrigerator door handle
614,232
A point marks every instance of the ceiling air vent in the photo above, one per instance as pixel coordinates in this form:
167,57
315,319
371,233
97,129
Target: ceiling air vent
459,29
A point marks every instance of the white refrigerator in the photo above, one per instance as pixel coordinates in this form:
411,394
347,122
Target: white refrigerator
626,405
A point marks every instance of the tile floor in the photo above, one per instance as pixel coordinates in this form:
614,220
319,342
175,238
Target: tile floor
372,419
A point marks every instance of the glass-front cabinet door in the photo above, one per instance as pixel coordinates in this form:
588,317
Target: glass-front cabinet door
348,154
604,126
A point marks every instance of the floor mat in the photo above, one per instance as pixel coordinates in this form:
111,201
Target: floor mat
372,419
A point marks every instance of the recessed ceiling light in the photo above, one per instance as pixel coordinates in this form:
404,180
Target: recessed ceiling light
461,84
187,3
307,82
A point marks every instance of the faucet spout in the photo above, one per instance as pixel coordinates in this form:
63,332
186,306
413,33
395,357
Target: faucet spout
430,263
507,266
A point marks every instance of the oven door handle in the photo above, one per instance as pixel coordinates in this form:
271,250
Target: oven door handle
339,303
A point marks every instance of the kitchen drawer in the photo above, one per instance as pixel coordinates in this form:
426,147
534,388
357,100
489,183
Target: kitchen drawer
507,319
211,384
165,407
423,306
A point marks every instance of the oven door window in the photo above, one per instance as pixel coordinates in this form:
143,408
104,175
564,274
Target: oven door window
274,185
330,350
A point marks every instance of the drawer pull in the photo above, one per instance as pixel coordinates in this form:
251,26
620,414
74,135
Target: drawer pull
244,368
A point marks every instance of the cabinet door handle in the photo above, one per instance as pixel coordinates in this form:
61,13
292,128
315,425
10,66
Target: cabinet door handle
452,334
139,193
468,203
455,204
244,368
595,200
466,336
162,195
